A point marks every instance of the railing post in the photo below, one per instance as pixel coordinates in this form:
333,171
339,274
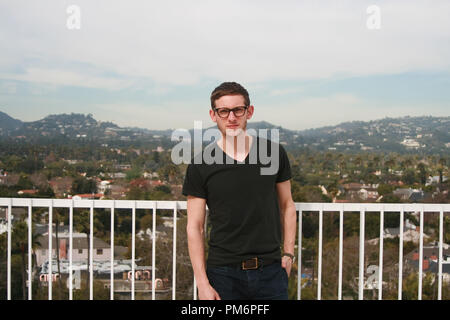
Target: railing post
50,249
361,253
299,272
8,284
71,250
174,257
380,256
441,240
91,250
111,287
400,257
419,287
319,267
153,249
30,248
133,249
341,250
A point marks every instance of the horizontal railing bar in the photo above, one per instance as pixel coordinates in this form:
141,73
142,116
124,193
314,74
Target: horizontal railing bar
321,208
98,204
370,207
182,205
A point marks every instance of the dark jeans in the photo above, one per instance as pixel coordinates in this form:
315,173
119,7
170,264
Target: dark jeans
265,283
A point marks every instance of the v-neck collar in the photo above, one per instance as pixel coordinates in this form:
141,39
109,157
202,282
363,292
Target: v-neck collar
252,145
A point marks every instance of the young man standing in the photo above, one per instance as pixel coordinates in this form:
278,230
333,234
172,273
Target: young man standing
252,214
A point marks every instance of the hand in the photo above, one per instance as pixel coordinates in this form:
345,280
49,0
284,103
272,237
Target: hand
208,293
286,263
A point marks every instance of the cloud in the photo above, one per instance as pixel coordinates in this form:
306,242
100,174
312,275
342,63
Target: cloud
181,43
179,114
60,77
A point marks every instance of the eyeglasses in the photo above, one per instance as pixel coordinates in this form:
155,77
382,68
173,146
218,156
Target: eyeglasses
224,112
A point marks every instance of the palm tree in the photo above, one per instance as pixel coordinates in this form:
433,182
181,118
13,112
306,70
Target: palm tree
442,164
390,163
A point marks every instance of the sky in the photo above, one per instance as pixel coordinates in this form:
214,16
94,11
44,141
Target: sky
154,64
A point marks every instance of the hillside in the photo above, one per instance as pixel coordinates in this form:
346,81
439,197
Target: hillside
421,135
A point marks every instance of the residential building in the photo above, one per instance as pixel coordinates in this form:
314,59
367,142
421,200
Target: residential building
102,250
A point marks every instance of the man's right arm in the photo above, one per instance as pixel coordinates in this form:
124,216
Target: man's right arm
196,210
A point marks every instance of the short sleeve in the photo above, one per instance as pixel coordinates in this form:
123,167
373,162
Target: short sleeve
284,171
193,183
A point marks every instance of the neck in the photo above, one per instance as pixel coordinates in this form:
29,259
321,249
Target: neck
236,145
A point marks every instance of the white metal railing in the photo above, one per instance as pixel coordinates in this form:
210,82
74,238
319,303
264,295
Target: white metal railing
134,205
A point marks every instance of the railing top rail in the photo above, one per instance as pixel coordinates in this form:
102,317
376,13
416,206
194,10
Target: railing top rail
84,203
169,204
386,207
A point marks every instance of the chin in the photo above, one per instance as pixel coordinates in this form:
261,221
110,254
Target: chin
233,132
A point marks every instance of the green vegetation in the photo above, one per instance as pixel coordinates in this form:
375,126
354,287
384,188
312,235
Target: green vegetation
57,170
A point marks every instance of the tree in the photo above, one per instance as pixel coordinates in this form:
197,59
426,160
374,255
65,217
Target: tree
422,173
82,185
409,177
133,173
384,189
20,243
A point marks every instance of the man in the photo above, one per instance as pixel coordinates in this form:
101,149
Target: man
249,211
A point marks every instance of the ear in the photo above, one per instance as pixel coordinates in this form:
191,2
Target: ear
212,114
250,111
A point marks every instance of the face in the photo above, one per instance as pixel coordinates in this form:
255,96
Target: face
232,125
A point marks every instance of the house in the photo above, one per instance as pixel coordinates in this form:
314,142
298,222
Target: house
103,186
140,183
434,180
358,191
403,193
155,183
17,213
102,250
368,193
410,233
150,175
341,201
413,195
61,185
27,192
417,195
3,225
430,260
118,175
102,269
86,196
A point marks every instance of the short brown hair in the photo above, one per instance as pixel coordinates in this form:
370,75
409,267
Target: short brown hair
229,88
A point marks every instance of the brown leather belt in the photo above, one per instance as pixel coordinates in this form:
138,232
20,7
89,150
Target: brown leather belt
255,263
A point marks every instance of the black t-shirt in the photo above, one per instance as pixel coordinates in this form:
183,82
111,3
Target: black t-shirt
242,201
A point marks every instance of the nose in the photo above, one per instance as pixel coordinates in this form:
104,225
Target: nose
231,115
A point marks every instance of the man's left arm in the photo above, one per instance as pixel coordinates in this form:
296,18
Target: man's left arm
288,216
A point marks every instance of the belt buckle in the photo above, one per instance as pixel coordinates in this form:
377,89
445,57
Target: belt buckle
250,264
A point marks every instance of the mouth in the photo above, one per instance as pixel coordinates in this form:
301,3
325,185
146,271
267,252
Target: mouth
233,126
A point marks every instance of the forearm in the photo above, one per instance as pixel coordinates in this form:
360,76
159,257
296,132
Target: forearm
196,248
289,228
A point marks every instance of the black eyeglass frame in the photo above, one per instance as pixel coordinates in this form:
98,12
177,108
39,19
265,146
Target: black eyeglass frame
230,110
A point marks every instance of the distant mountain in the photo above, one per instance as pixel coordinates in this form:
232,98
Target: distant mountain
426,134
8,123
